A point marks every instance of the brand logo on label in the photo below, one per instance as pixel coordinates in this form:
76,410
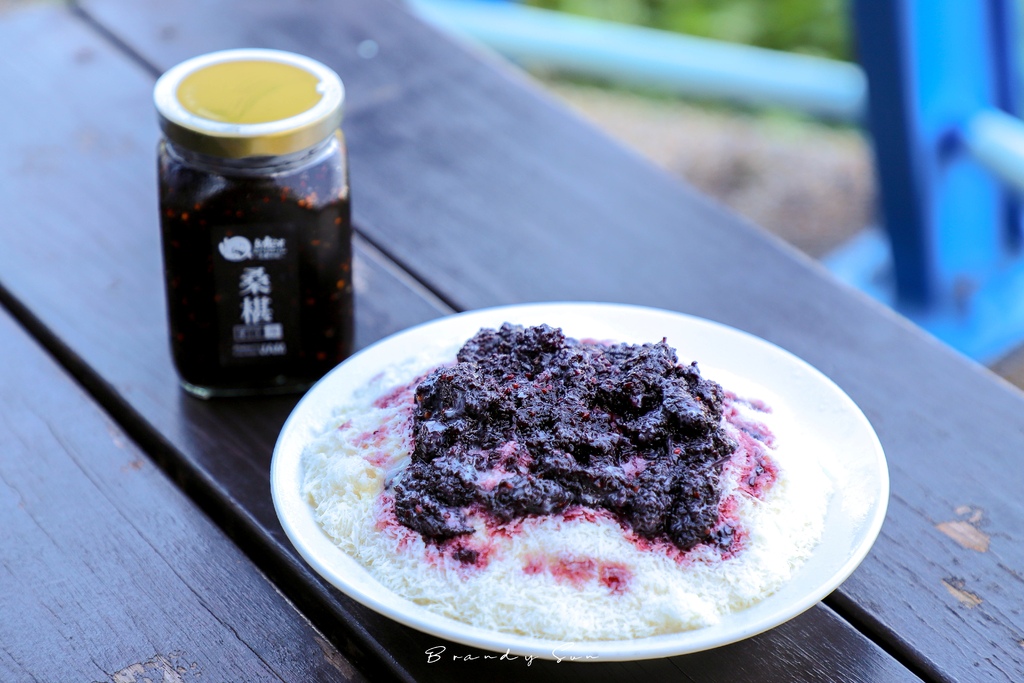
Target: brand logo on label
236,248
269,248
239,248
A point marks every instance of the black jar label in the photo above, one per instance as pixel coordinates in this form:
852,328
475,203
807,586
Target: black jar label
255,273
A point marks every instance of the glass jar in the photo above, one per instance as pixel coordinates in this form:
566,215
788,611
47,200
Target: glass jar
255,221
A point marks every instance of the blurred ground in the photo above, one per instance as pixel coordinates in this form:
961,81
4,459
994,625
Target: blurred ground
807,182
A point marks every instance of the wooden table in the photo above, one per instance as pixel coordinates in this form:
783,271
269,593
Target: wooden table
137,534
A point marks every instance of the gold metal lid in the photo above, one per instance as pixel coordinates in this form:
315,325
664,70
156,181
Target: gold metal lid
248,103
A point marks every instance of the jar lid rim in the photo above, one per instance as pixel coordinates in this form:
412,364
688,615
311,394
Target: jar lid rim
239,140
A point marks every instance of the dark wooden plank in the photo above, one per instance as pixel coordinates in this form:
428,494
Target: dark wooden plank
524,203
107,570
791,652
101,274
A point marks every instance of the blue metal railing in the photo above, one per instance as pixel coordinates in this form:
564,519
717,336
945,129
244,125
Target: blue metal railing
944,94
660,59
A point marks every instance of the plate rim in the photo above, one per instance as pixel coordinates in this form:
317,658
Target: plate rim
683,642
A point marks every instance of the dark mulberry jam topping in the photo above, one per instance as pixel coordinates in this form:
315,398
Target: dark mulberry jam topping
529,422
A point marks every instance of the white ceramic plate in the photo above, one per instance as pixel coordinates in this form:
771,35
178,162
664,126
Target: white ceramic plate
825,419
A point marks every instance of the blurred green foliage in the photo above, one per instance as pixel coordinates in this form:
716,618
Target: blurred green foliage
819,27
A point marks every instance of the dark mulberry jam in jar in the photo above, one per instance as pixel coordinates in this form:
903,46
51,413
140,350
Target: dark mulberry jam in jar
255,221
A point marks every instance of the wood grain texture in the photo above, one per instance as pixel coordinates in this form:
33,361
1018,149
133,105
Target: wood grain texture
525,203
469,218
107,572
